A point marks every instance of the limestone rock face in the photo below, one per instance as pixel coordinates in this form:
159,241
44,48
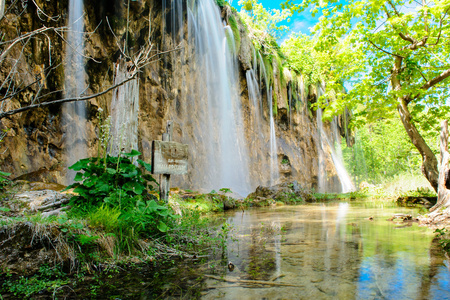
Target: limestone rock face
36,141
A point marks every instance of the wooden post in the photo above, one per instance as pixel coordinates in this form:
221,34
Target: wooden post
164,185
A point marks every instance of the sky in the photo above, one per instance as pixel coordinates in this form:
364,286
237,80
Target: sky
299,22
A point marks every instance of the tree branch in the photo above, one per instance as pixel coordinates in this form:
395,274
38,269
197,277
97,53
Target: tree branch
436,80
440,26
429,84
387,52
76,99
26,36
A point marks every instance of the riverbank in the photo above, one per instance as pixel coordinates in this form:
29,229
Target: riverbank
48,251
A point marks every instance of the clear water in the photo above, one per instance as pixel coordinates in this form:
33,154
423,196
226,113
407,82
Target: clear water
329,251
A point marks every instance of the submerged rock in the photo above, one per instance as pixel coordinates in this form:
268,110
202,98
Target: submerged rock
284,192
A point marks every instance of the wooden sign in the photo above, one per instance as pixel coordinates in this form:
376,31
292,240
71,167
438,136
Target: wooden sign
169,158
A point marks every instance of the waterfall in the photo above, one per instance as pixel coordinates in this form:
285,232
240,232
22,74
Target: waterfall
220,132
2,8
274,171
273,153
124,112
322,173
74,114
335,151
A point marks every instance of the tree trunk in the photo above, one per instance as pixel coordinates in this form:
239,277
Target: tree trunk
443,191
429,161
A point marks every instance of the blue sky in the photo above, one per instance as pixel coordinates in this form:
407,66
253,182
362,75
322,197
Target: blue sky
299,22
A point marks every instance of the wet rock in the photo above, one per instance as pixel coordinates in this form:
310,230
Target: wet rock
32,201
285,192
229,204
425,201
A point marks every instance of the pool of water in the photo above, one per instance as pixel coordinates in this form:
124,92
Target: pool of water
343,250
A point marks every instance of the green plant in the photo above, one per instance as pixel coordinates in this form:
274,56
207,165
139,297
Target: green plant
112,180
104,217
148,214
3,180
225,190
443,241
48,278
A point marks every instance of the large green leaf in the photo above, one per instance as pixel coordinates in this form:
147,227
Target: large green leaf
130,172
134,187
4,174
111,171
81,164
162,226
78,177
147,166
132,153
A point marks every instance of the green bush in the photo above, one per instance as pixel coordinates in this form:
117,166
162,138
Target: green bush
112,180
114,195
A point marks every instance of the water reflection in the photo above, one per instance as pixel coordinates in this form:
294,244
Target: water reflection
332,251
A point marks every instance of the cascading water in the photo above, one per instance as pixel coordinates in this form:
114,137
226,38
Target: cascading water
74,114
2,8
220,134
322,175
124,112
255,98
273,163
274,171
335,152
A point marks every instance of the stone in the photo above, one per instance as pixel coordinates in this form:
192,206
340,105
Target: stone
31,201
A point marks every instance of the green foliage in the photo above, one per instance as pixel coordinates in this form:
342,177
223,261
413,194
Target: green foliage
104,217
235,28
222,3
4,181
444,242
4,209
113,196
225,190
382,151
48,279
299,50
148,214
419,192
112,180
401,62
263,22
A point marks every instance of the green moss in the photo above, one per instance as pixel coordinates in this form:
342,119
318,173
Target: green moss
269,69
275,104
280,68
235,28
221,3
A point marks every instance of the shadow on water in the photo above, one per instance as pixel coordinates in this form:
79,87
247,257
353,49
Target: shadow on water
320,251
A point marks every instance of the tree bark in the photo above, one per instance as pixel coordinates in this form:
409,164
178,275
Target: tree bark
443,191
429,161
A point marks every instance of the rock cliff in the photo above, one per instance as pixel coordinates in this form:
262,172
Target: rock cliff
36,140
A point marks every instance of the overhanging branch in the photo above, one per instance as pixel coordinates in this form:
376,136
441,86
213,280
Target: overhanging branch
65,100
387,52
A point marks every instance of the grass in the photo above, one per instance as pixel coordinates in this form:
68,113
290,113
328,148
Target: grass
405,183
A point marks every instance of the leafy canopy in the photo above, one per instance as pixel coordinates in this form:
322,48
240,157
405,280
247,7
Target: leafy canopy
403,47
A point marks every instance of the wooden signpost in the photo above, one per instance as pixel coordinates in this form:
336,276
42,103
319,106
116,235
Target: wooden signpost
168,158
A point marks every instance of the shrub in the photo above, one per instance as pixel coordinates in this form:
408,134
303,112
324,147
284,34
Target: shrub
112,180
113,193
